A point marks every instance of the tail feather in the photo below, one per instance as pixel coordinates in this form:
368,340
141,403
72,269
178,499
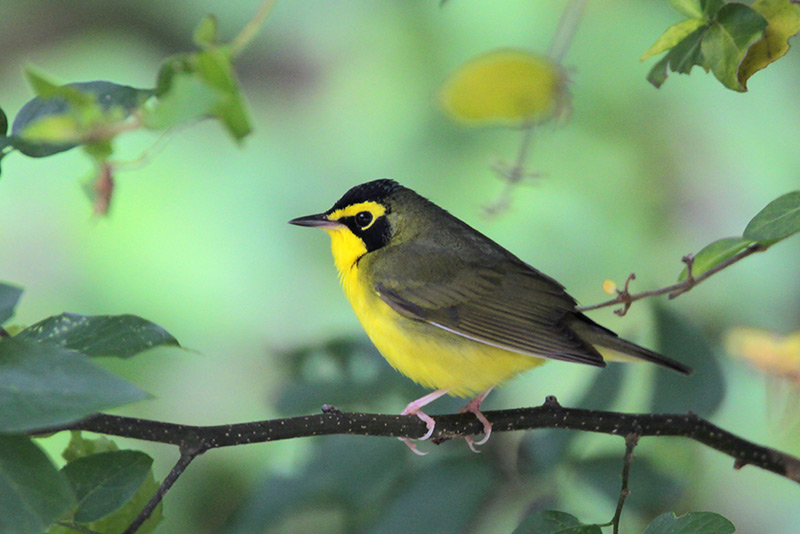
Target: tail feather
604,338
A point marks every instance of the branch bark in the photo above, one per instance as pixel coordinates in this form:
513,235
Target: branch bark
548,415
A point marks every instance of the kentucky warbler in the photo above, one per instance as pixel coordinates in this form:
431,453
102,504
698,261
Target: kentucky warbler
447,306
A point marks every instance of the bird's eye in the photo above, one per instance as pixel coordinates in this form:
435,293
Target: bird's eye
363,218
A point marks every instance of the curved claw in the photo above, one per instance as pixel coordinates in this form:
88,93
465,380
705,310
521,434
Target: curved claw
473,407
411,445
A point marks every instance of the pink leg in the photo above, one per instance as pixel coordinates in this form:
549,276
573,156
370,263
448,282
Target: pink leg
414,408
473,406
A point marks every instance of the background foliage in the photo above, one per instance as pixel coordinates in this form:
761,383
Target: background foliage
197,242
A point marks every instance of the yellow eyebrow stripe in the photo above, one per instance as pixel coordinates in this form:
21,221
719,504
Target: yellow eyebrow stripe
373,207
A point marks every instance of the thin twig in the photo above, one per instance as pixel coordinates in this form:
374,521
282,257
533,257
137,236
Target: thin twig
250,29
675,290
183,462
631,440
514,174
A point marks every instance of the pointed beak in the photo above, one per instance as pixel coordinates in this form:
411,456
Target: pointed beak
319,220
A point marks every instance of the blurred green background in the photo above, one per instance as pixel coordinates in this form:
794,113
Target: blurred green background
345,92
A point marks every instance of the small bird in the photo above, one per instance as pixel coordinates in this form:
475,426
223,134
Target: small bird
450,308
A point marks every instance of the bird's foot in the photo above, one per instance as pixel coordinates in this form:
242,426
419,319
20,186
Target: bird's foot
473,407
415,408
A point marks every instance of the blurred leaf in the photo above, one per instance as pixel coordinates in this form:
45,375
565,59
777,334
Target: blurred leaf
197,85
348,372
715,253
206,34
703,391
33,494
507,86
360,474
79,446
78,105
9,296
188,98
554,522
100,335
3,123
104,482
42,384
45,88
215,67
691,523
769,352
673,35
778,220
545,449
652,491
445,498
736,27
783,19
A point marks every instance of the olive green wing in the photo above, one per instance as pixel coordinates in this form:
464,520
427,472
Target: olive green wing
494,299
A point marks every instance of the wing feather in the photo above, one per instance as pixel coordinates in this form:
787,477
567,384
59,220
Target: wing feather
495,299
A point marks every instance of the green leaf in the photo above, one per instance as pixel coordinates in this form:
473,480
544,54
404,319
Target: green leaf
687,8
683,56
206,34
711,7
778,220
122,336
658,74
3,123
43,384
188,98
735,29
784,21
33,494
119,520
687,53
691,523
104,482
704,390
673,35
715,253
9,296
554,522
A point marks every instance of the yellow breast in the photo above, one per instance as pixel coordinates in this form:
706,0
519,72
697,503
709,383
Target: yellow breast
425,353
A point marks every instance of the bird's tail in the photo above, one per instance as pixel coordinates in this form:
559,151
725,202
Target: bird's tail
617,348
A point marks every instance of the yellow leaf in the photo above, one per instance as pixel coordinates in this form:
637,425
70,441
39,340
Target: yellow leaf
783,20
509,86
672,36
772,353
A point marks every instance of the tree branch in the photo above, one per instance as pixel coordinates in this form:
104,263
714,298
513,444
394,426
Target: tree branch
549,415
626,299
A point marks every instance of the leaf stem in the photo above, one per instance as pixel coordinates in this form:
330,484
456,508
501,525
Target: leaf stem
567,27
250,29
